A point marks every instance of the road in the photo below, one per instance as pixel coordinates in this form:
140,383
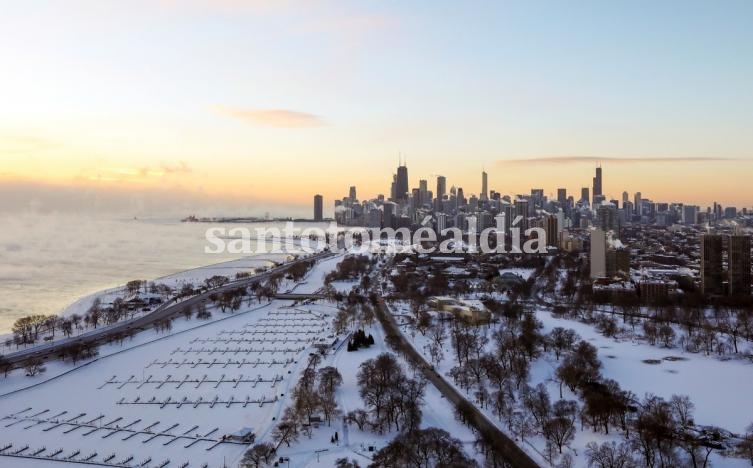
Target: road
169,309
505,448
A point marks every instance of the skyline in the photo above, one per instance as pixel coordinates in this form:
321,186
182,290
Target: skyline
256,106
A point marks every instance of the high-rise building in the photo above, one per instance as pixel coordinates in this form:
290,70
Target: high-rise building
318,208
441,187
625,198
389,215
598,254
401,184
689,214
739,265
597,184
608,217
537,197
584,196
638,202
423,192
562,195
352,194
711,264
521,209
551,227
484,186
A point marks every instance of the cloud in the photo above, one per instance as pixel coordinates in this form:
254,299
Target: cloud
280,118
180,168
25,145
611,159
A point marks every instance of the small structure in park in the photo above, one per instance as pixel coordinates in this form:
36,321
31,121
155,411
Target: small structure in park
245,435
472,311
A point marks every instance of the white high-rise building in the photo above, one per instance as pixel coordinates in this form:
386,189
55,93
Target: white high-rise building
598,254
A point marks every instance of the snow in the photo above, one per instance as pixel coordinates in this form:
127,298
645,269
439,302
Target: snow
247,362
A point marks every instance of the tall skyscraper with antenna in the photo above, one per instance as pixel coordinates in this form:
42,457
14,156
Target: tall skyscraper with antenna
401,183
597,193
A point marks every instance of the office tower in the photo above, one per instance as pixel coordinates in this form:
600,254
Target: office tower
689,214
730,212
374,219
460,198
352,193
562,195
537,198
551,227
484,186
584,196
401,184
711,264
389,214
598,254
597,185
318,208
441,222
441,187
521,209
415,198
625,198
423,192
608,218
739,265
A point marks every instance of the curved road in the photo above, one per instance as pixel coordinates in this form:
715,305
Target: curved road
137,324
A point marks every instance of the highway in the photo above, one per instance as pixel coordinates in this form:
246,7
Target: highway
169,309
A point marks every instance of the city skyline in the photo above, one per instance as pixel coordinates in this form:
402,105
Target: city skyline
251,106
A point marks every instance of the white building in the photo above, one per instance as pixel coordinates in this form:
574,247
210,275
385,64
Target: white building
598,254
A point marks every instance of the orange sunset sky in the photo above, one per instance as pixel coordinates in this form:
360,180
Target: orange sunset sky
251,106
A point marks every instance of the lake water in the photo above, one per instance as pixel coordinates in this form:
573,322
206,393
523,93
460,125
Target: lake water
48,261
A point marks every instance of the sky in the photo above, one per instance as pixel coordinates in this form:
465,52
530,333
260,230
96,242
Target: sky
248,106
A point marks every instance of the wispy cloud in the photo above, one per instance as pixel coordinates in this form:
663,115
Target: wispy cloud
611,159
281,118
138,174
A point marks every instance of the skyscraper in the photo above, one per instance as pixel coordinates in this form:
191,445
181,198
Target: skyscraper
484,186
711,264
423,191
598,254
441,187
562,195
521,209
318,208
689,214
401,184
739,265
352,194
584,196
551,227
597,184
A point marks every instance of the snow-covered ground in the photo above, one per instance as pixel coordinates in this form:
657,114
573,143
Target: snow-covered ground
169,396
354,443
206,382
700,377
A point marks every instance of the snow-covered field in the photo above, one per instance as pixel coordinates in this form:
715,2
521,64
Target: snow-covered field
700,377
354,443
175,396
171,399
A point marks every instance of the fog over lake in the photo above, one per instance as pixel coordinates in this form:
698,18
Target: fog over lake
47,261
